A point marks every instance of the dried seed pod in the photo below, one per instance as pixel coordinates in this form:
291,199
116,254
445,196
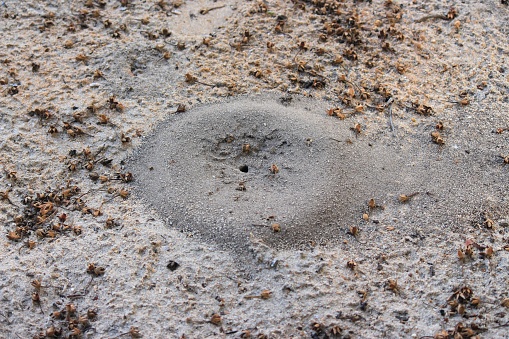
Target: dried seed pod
35,297
488,252
215,319
123,193
489,223
127,177
475,301
60,315
371,203
393,285
276,228
103,119
30,244
70,309
124,139
89,166
52,332
98,74
36,284
75,332
266,294
40,233
351,264
190,79
437,138
403,198
181,108
357,128
98,271
134,332
13,235
91,314
72,166
401,68
52,130
110,222
335,330
274,169
77,230
83,320
19,219
62,217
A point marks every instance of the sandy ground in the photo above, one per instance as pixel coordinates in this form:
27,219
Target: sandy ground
88,84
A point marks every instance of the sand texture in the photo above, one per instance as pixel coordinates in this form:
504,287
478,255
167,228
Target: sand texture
254,169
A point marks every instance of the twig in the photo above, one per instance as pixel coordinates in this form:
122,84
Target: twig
432,16
390,119
91,279
503,325
351,83
40,306
74,296
206,10
100,151
202,83
389,104
360,242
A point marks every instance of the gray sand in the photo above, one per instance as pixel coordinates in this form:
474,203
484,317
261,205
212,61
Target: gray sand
189,171
99,81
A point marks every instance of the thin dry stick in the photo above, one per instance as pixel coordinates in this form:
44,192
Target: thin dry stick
206,10
503,325
432,16
389,104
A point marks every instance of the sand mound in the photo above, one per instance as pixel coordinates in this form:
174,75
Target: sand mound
225,171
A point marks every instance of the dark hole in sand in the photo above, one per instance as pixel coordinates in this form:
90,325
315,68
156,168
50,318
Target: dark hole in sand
304,175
